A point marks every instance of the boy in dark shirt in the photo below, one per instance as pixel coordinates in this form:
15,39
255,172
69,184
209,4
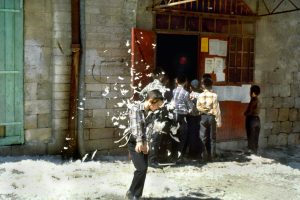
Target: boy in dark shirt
252,119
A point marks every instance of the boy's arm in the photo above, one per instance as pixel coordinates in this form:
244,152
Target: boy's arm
136,124
217,112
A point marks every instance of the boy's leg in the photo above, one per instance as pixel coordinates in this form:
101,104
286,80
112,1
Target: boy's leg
255,128
140,162
213,136
204,136
248,130
183,134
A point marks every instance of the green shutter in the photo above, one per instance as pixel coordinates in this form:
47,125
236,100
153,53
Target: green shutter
11,72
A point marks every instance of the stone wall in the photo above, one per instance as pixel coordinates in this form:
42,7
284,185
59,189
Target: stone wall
47,36
107,69
277,71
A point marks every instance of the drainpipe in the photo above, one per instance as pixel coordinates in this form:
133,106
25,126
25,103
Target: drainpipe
81,94
71,139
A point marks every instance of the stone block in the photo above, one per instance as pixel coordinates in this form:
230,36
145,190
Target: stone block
272,140
102,112
296,77
276,128
295,90
271,115
95,103
44,90
285,127
30,122
61,70
38,19
294,139
62,60
61,105
277,102
86,134
283,114
114,70
288,102
102,144
98,122
56,145
97,87
61,95
61,78
269,125
61,87
116,103
282,139
102,133
37,107
60,124
267,102
39,135
88,113
293,114
296,127
34,5
30,91
297,102
285,90
60,114
5,150
44,120
31,148
62,17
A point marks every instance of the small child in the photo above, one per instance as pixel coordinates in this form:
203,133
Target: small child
208,105
252,121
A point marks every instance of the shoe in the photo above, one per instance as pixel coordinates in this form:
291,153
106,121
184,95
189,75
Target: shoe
136,198
129,195
154,165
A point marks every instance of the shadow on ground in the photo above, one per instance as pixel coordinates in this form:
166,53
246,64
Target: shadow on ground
289,156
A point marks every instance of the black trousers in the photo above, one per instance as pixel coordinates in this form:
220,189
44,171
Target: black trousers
252,129
194,144
140,162
182,134
208,133
154,147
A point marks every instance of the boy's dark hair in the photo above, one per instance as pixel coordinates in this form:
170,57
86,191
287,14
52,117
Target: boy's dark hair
207,82
181,79
255,89
155,94
206,76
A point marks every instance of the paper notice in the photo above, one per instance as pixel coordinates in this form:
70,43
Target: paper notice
217,47
220,76
209,65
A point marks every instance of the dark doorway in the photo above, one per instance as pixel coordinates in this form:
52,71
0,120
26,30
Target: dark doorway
177,54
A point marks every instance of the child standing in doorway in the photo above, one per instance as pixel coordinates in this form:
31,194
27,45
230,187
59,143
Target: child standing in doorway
208,105
252,121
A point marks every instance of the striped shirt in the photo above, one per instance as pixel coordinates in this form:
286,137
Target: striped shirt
182,102
207,103
137,122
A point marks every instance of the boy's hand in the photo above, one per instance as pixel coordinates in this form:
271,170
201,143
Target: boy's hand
140,147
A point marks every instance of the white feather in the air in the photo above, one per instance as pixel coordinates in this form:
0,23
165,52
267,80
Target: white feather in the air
106,91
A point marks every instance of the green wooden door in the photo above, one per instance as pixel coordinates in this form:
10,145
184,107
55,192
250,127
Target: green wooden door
11,72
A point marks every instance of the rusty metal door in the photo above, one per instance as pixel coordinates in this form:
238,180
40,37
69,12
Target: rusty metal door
143,44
